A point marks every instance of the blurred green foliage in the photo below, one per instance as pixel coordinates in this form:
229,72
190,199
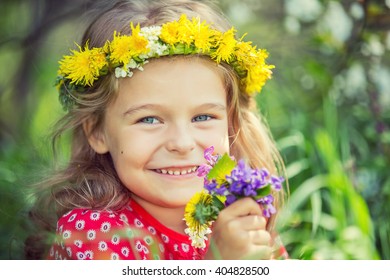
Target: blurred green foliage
328,106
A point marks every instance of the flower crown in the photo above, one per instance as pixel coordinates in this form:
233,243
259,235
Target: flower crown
125,53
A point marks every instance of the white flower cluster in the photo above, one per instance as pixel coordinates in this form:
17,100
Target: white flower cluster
126,70
152,34
198,239
157,49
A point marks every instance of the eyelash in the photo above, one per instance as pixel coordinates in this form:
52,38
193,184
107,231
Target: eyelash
144,120
208,117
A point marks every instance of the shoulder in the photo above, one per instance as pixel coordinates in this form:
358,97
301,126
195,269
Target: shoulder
92,234
83,219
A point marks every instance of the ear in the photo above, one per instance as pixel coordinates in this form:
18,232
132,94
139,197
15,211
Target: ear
95,137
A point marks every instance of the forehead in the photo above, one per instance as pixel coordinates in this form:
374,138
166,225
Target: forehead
165,65
188,79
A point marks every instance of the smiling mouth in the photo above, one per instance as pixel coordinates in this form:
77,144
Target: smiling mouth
177,171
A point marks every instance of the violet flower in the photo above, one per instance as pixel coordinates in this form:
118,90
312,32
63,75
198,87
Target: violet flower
226,181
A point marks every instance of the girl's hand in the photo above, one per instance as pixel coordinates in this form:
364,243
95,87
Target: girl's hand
239,233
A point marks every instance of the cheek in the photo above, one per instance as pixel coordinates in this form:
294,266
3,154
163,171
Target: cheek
219,138
121,142
129,167
124,155
223,147
127,157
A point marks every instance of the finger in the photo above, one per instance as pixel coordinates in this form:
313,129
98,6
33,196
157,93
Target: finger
252,222
259,252
242,207
260,237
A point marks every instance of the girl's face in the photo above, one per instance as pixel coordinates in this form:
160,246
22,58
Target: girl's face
158,127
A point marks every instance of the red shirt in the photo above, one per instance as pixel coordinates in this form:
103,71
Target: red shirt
127,234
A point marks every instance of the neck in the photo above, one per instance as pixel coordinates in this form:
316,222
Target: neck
170,217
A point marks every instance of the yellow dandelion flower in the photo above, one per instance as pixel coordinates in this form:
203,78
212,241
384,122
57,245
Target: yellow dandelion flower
84,66
245,53
185,31
191,212
256,77
253,85
120,49
226,46
252,67
262,54
181,31
169,32
138,43
202,35
124,47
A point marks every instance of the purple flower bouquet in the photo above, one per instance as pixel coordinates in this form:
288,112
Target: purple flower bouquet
226,181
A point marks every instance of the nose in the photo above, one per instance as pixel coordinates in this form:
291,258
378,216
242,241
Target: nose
180,139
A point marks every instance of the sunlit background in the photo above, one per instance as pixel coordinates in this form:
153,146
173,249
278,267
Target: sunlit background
328,106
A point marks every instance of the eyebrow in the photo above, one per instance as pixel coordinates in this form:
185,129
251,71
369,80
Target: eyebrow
214,106
137,108
143,107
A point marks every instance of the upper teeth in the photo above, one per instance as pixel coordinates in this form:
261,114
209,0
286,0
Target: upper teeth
177,171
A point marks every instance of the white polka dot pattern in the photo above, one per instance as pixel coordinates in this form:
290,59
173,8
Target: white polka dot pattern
130,233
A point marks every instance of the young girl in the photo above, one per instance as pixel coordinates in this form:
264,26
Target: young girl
152,85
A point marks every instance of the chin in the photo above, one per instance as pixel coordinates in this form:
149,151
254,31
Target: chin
181,202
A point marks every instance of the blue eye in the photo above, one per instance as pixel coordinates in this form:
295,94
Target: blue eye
149,120
202,118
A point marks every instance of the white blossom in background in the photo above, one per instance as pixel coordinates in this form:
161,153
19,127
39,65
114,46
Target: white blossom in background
304,10
336,21
292,25
241,12
381,78
356,10
387,40
355,81
373,47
